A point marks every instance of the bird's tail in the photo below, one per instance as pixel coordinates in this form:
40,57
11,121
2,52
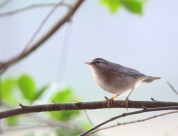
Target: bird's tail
149,79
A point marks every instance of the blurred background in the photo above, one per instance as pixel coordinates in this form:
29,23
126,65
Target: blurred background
145,40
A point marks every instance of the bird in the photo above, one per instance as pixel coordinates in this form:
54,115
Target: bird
117,79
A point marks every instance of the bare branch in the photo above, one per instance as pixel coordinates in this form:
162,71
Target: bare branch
135,121
128,114
23,109
41,5
42,24
173,89
44,38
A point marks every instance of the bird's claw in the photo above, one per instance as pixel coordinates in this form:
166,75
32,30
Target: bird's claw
110,101
125,103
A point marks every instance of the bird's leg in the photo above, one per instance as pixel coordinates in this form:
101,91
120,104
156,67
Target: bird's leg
110,100
127,100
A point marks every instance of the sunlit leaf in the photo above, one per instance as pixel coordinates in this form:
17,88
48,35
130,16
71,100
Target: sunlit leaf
40,92
86,126
11,100
7,86
12,121
65,95
27,87
135,6
112,5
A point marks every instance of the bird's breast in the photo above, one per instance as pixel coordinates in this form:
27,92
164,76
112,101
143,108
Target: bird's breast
114,84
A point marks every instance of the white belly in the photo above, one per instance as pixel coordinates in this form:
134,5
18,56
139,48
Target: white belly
119,85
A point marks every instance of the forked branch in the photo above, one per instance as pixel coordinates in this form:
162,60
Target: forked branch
44,38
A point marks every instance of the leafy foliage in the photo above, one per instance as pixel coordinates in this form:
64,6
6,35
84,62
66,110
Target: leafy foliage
27,87
65,95
10,89
40,92
113,5
11,121
134,6
7,88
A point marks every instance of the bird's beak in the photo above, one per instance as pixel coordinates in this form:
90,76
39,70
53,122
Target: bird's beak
89,63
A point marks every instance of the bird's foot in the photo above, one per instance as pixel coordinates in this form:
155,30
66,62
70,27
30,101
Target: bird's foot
109,100
125,103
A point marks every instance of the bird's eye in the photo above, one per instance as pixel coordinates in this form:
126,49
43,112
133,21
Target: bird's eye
98,62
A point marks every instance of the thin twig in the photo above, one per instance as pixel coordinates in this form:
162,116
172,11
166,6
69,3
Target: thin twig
135,121
42,24
172,88
153,99
127,114
41,5
44,38
86,114
23,109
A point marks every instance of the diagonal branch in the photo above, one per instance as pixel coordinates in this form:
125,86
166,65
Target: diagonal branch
173,89
128,114
135,121
44,38
42,24
86,105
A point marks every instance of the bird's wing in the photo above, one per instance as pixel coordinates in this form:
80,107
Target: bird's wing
120,70
134,73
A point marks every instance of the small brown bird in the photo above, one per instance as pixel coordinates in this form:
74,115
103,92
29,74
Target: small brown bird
117,79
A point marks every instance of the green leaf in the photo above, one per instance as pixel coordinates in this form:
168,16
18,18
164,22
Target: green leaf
27,87
40,92
134,6
12,121
7,86
112,5
11,100
86,126
65,95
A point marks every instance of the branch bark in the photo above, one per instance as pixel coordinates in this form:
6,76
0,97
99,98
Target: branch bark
85,106
44,38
